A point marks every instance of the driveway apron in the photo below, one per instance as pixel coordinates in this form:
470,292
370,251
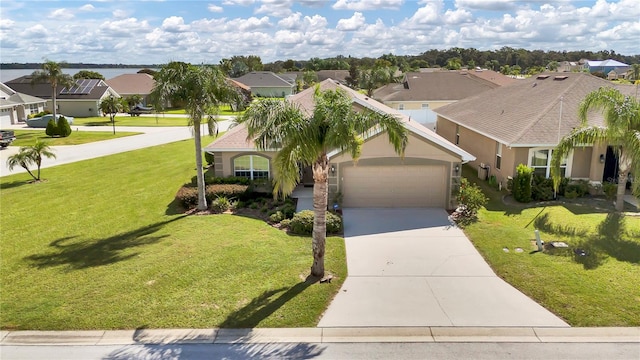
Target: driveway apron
410,267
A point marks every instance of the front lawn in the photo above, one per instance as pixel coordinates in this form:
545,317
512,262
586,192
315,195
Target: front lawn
101,244
28,137
159,120
598,286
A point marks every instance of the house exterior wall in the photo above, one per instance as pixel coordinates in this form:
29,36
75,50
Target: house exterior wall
223,161
271,91
76,108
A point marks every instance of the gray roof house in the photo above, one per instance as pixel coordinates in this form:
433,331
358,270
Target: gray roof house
15,106
523,122
424,178
81,100
268,84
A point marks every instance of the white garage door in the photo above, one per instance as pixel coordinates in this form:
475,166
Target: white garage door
394,186
5,118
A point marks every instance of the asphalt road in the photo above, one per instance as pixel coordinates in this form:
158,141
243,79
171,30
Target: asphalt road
335,351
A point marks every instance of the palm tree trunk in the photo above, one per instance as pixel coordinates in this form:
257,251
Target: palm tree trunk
202,200
53,99
320,188
623,170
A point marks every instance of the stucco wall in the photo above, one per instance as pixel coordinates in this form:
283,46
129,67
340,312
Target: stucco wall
223,161
76,108
271,91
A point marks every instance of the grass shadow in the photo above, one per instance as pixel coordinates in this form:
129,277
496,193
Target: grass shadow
14,184
81,254
261,307
543,223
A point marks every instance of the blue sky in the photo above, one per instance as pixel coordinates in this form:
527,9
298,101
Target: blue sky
145,32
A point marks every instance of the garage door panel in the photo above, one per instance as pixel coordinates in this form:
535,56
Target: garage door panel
394,186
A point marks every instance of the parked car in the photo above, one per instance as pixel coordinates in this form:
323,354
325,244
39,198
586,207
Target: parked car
41,122
139,109
6,138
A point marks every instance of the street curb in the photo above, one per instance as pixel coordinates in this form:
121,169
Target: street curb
324,335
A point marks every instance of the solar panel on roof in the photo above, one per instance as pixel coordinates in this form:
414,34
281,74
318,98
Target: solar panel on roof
82,87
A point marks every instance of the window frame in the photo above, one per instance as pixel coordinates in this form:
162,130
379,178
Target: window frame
498,155
457,134
251,168
567,166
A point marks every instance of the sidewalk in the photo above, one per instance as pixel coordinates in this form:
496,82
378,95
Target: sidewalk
324,335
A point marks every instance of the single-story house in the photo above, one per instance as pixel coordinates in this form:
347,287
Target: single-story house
420,93
426,177
268,84
522,123
133,84
81,100
15,106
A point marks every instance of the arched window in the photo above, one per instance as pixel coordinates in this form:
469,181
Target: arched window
251,166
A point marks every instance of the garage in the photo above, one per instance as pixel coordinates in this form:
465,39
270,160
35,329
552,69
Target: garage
394,186
5,118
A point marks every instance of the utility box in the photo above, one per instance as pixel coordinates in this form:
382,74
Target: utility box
483,172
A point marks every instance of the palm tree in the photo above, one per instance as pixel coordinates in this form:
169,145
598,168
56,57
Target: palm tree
52,73
201,89
621,130
112,105
305,140
31,155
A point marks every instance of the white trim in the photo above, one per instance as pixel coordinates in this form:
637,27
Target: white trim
567,172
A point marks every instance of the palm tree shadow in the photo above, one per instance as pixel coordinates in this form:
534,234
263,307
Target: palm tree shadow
218,351
87,253
261,307
13,184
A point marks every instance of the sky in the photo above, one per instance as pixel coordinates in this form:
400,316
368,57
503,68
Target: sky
156,32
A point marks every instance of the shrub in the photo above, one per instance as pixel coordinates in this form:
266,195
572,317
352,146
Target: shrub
570,194
302,223
52,128
288,210
221,204
64,129
542,188
610,189
276,217
208,158
188,194
522,184
580,187
253,205
285,223
229,180
493,182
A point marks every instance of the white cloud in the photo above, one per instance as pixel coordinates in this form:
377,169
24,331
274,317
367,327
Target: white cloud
174,24
275,8
36,31
215,8
364,5
430,14
355,22
250,24
238,2
61,14
87,7
120,14
6,24
129,27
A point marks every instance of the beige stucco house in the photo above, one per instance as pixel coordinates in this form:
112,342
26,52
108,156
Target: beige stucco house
15,106
268,84
425,177
523,122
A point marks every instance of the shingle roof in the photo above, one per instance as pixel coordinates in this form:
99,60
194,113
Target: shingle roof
236,138
258,79
132,84
527,113
438,85
43,90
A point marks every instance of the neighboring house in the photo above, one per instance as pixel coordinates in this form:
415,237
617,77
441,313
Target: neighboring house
420,93
605,66
339,76
268,84
424,178
133,84
569,66
15,106
522,124
81,100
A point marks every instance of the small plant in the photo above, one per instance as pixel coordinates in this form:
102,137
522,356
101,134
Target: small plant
221,204
580,187
208,158
285,223
493,182
276,217
542,188
571,194
610,189
470,199
253,205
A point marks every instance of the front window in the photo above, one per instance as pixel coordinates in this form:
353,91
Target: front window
33,108
540,161
251,166
498,155
400,106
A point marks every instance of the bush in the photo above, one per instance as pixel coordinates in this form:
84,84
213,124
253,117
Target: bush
542,188
610,190
522,184
580,187
288,210
276,217
221,204
572,194
208,158
302,223
64,129
493,182
52,128
285,223
188,195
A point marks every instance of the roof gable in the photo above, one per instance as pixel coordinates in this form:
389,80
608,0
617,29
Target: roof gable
257,79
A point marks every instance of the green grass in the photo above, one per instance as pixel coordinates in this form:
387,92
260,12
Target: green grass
160,120
601,289
100,245
28,137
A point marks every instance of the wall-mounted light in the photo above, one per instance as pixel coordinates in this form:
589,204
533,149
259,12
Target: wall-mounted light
457,168
333,170
601,158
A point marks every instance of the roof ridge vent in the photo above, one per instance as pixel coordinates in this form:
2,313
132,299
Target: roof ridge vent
542,77
560,77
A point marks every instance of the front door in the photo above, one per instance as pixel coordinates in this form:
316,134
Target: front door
610,167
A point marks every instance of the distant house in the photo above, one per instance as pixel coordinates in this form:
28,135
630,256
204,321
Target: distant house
522,124
81,100
268,84
15,106
133,84
420,93
605,66
339,76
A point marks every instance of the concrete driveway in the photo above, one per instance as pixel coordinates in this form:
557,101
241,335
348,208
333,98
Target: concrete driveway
409,267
